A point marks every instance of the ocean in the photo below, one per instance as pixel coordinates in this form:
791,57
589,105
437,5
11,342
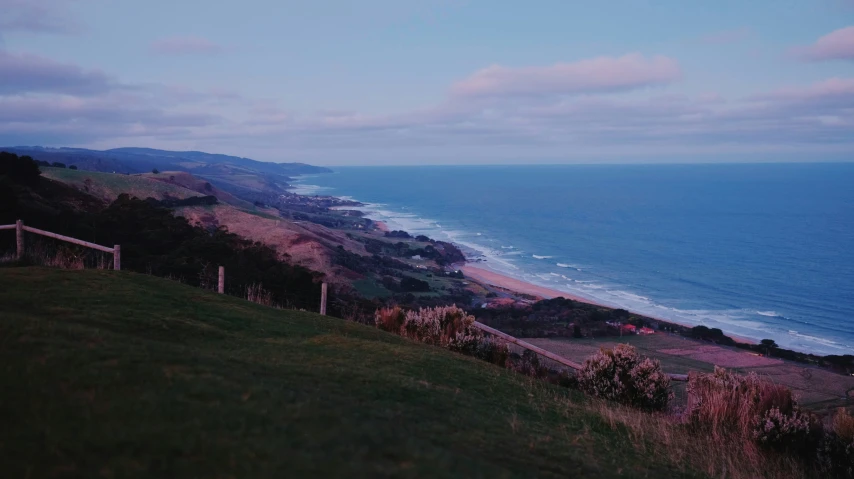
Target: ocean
757,250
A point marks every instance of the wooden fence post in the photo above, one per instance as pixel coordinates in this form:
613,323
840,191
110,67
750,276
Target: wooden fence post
220,286
117,258
323,299
19,236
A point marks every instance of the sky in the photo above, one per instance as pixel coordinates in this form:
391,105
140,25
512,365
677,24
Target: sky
373,82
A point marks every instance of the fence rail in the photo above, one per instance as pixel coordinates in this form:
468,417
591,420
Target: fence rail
548,354
20,228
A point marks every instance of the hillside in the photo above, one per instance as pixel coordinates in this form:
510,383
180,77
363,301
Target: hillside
142,160
190,182
307,244
108,186
115,374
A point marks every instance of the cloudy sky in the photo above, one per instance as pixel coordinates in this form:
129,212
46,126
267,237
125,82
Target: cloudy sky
434,81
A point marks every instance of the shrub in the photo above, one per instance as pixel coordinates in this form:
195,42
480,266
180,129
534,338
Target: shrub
731,405
257,294
795,431
23,169
442,325
529,365
843,425
408,283
390,319
835,451
492,350
724,402
423,325
622,375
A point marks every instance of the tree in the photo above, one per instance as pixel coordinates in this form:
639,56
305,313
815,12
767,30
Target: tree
576,332
768,345
23,169
408,283
155,171
72,167
57,164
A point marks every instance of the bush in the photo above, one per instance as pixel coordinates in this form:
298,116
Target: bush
23,169
723,402
622,375
796,431
408,283
390,319
835,452
423,325
492,350
843,425
730,405
442,325
528,364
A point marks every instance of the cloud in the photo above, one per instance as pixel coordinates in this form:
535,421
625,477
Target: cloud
727,36
23,72
37,16
595,75
836,45
58,104
188,45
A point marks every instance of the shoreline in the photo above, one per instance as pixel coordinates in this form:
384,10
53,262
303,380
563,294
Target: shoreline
484,275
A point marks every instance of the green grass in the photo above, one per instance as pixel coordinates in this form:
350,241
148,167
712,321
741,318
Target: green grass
108,186
115,374
369,288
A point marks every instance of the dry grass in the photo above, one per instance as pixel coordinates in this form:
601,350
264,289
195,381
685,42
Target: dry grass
662,437
726,404
390,319
56,254
843,425
257,294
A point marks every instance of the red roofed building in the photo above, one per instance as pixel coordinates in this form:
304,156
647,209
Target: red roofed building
629,328
646,330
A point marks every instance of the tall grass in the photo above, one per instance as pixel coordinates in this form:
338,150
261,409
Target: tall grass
58,254
662,436
257,294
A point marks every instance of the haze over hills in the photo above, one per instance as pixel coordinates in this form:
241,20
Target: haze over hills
143,160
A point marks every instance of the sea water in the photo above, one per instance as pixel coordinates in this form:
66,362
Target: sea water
757,250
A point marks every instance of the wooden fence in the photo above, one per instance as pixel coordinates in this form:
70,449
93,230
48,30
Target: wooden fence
548,354
20,228
220,288
116,250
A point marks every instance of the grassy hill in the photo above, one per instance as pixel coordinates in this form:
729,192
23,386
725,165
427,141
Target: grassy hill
115,374
108,186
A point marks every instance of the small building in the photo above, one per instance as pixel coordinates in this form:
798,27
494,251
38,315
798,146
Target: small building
629,329
646,330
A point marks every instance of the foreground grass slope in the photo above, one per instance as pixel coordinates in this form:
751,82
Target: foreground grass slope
115,374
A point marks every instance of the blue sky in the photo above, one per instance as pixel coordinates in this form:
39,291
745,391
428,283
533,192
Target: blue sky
434,81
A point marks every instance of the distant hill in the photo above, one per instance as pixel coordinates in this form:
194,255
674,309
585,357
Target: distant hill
143,160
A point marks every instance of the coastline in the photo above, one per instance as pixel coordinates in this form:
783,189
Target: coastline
487,277
493,278
483,275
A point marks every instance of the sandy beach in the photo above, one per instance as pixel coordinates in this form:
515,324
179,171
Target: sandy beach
497,279
493,278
